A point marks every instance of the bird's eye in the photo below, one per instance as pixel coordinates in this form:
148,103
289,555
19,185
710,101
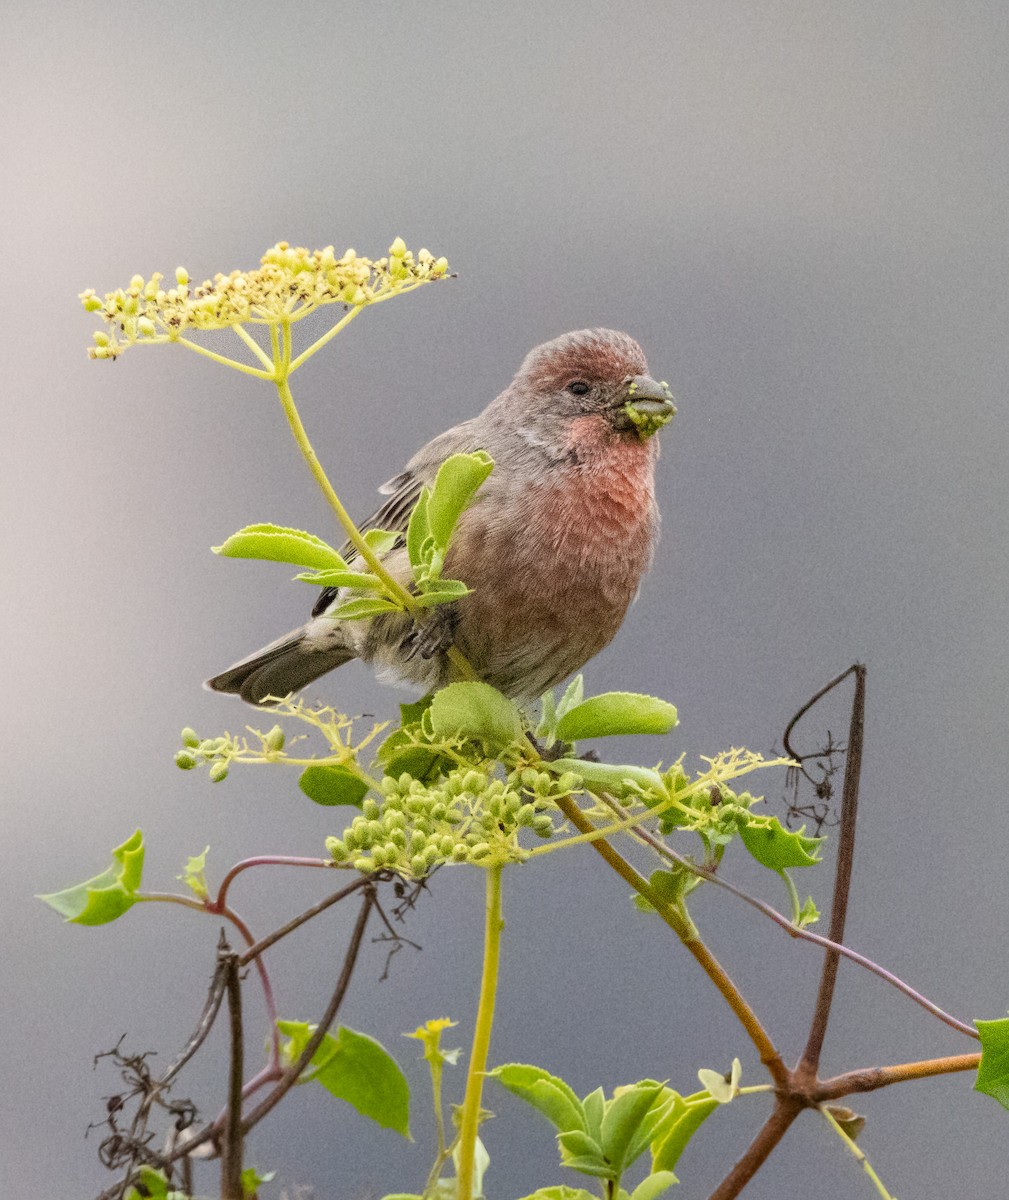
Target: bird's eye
579,387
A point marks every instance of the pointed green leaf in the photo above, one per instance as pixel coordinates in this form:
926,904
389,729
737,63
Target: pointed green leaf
574,693
667,1150
612,777
341,579
276,543
583,1153
411,713
545,1092
778,848
993,1072
193,876
455,485
418,531
652,1186
475,710
358,1069
616,713
107,896
660,1118
382,540
252,1180
330,784
354,610
594,1106
546,730
623,1116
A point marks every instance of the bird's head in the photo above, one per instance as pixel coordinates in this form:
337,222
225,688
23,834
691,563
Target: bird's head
596,373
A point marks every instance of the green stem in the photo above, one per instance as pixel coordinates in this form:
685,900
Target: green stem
254,346
223,359
859,1154
394,588
470,1123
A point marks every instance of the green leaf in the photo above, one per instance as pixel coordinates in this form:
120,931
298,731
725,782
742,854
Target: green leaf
594,1106
193,876
660,1118
442,592
652,1186
809,914
382,540
545,1092
475,710
354,610
418,531
574,693
358,1069
410,714
455,485
546,730
560,1191
667,1150
340,579
252,1180
107,896
330,784
993,1072
276,543
615,713
623,1116
611,777
778,848
583,1153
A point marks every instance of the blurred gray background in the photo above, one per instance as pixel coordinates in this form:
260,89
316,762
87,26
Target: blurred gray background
800,210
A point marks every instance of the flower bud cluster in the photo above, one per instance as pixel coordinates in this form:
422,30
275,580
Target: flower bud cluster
290,282
218,752
469,816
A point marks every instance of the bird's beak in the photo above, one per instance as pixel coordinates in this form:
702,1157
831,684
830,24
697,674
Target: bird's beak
649,405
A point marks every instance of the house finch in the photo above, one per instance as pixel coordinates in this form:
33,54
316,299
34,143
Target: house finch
553,546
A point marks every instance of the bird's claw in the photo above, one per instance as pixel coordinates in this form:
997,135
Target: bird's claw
434,637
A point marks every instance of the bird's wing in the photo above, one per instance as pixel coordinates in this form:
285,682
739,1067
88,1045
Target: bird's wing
404,489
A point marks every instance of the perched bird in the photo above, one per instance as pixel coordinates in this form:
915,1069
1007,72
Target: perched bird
553,546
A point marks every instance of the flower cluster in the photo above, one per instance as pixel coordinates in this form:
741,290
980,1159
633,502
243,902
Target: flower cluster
468,816
289,283
219,751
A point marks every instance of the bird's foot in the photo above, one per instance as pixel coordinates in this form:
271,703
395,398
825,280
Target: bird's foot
435,636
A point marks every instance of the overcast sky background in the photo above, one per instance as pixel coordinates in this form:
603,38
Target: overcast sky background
800,210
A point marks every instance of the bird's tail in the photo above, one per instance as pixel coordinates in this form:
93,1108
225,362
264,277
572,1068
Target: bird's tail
286,665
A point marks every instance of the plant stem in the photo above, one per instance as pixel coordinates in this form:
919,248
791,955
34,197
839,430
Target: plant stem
869,1079
470,1122
231,1147
842,878
223,359
264,943
263,860
859,1154
394,588
770,1134
684,929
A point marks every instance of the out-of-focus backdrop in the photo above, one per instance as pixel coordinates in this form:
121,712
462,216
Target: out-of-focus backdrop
800,210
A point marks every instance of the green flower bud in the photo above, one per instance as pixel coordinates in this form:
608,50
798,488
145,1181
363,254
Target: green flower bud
397,838
376,831
349,840
378,854
569,782
417,865
100,338
370,808
390,786
91,303
391,852
185,760
398,248
480,850
336,849
460,853
542,825
181,276
431,854
146,326
218,772
190,738
445,844
275,739
364,864
525,814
